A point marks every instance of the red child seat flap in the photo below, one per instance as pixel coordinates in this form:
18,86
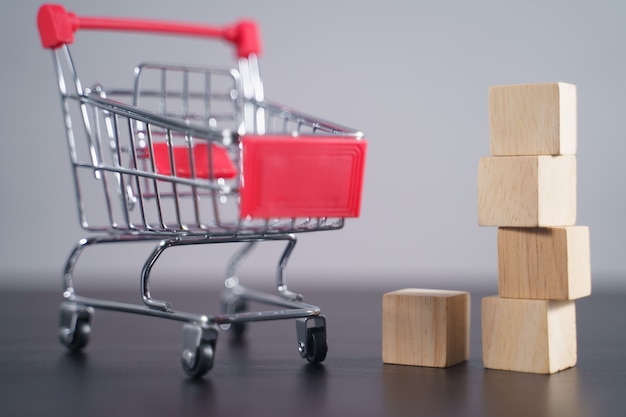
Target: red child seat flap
223,166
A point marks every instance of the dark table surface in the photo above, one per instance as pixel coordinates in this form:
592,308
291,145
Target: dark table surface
132,366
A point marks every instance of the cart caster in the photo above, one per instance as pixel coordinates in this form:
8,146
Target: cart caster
235,306
312,343
198,349
75,325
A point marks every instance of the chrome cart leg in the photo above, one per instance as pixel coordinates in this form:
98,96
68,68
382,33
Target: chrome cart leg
198,349
70,264
145,276
311,332
232,300
75,319
232,274
281,273
75,325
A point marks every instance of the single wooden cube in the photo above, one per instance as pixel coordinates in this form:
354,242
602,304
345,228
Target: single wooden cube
534,336
527,191
426,327
532,119
544,263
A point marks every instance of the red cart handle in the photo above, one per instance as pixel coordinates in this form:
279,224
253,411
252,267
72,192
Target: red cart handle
57,27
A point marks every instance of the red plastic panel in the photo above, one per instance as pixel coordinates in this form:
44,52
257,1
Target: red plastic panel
305,176
223,167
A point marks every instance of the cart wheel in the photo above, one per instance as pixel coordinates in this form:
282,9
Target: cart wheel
198,349
235,307
75,326
316,346
197,364
238,329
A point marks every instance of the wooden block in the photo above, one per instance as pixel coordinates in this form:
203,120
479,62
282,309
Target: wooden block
426,327
532,119
534,336
544,263
527,191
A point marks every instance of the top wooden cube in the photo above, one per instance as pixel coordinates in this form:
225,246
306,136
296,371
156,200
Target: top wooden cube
532,119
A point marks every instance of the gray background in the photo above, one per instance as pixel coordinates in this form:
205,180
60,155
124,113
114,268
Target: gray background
413,76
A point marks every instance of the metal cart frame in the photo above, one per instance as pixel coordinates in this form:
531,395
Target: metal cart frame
195,173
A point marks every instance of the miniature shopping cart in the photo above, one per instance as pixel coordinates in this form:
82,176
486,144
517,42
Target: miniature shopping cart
192,156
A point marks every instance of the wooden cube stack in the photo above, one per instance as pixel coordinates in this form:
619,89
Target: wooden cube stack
527,188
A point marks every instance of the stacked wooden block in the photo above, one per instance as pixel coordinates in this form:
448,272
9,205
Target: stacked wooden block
527,188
